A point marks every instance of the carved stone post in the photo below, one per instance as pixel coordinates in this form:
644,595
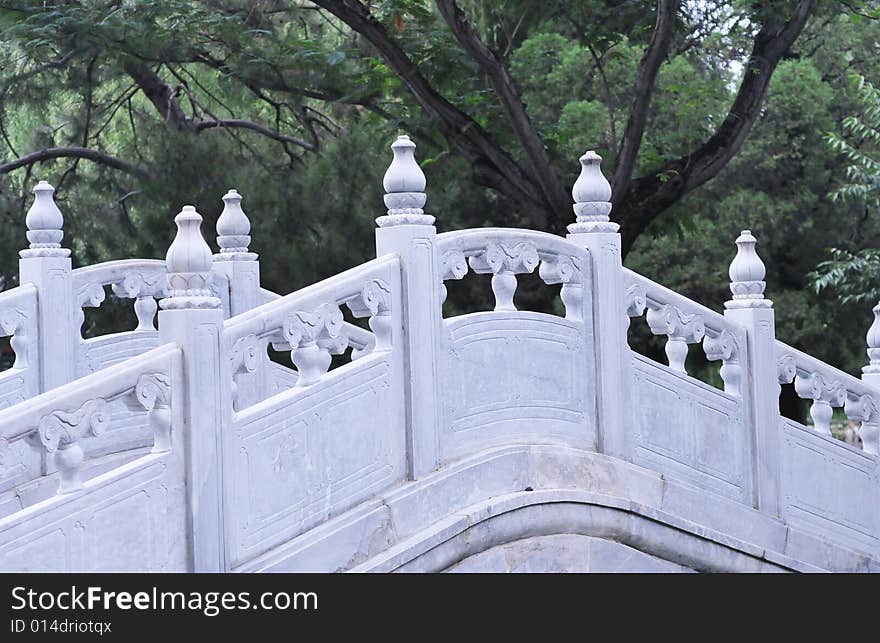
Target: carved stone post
409,232
760,386
192,317
869,429
595,231
47,265
240,268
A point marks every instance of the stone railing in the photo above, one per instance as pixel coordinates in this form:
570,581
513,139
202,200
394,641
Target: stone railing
505,253
55,422
686,322
399,394
309,323
828,388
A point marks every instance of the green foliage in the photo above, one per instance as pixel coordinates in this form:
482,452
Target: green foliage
860,147
854,277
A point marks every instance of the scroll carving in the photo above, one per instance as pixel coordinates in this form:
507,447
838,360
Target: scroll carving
864,409
825,395
725,347
152,392
303,331
504,261
680,328
59,433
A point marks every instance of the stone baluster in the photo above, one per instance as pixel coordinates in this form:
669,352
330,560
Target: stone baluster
375,302
504,262
453,265
864,410
408,232
313,337
636,304
724,346
47,265
59,434
143,288
152,393
869,431
680,329
192,317
569,272
825,394
594,231
760,372
145,308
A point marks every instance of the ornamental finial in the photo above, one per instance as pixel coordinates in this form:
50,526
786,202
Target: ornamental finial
592,198
404,184
44,223
233,230
747,275
188,263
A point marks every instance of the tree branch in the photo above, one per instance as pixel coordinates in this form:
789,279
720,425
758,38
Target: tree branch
643,92
650,195
262,129
96,156
161,94
494,67
492,166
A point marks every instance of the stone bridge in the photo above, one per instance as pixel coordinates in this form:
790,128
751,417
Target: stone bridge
403,439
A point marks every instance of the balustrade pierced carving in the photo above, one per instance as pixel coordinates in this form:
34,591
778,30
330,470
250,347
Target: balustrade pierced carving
786,370
17,323
504,261
825,394
680,328
312,337
636,303
59,433
144,288
506,258
152,393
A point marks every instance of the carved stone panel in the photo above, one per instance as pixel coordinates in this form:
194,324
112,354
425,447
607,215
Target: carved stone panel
689,430
829,486
312,453
513,377
133,521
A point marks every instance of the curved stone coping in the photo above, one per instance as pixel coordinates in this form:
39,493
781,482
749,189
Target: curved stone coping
110,272
475,239
483,501
511,518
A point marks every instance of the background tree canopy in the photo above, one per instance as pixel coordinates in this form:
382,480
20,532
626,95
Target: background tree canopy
711,117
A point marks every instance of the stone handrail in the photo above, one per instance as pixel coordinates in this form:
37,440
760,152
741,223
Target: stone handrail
140,279
684,322
828,388
363,341
310,320
505,253
55,421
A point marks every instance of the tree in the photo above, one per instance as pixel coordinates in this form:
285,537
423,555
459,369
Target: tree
852,273
440,69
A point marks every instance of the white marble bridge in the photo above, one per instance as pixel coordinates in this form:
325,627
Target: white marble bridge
503,440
